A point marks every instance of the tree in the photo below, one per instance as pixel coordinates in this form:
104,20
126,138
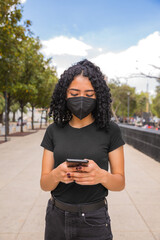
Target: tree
46,88
26,86
155,101
2,105
23,70
11,38
120,99
141,100
114,87
156,104
14,108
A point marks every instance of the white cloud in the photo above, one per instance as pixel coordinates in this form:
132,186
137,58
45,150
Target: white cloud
66,51
100,49
135,59
23,1
60,71
63,45
146,52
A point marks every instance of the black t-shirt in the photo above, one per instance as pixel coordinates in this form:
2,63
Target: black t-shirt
86,142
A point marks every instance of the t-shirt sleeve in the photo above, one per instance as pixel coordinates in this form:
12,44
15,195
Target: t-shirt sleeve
116,139
47,141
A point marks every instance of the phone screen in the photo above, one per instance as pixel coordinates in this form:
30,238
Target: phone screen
76,162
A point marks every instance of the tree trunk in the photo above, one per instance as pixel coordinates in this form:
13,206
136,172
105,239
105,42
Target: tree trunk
21,117
114,114
14,117
41,119
8,111
7,122
32,117
1,118
6,114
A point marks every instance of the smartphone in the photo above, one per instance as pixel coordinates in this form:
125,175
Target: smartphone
76,162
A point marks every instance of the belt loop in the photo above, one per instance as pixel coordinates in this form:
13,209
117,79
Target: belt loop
53,200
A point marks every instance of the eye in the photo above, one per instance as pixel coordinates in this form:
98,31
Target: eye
74,94
89,95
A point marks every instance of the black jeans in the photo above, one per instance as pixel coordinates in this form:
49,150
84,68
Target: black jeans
62,225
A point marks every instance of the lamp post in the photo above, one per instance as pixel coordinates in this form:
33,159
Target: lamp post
128,93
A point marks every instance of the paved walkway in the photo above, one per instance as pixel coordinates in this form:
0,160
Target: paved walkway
135,211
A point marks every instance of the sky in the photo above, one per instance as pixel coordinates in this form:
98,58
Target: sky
121,37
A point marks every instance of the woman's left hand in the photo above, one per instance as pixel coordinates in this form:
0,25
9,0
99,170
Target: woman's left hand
90,175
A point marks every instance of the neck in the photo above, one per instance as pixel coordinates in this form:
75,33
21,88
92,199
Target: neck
76,122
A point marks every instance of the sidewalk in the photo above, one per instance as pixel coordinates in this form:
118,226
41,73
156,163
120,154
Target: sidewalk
135,211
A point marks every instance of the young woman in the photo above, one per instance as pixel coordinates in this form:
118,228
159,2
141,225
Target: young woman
78,209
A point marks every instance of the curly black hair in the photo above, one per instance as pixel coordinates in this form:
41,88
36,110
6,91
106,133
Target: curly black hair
58,107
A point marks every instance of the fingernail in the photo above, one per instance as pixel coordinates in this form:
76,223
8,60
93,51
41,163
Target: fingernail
68,175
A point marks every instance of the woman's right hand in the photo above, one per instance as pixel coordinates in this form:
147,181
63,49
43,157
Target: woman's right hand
62,173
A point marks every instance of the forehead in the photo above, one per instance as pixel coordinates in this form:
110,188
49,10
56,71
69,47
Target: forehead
81,82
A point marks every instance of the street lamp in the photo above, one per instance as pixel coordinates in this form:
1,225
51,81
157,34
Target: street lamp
128,93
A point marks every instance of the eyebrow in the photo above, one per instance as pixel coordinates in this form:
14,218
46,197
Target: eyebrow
89,90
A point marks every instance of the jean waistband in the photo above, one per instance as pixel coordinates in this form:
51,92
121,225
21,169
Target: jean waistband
79,207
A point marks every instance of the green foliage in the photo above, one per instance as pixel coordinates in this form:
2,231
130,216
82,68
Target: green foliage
14,107
119,94
21,64
46,87
24,73
156,104
11,38
141,100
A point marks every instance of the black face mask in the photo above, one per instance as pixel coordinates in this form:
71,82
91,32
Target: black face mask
81,106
